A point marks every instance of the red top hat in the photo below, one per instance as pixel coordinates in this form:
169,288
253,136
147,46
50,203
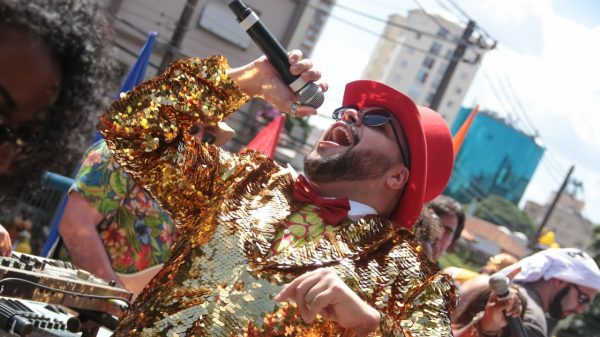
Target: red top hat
429,143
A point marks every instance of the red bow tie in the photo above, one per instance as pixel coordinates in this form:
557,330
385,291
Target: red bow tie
333,210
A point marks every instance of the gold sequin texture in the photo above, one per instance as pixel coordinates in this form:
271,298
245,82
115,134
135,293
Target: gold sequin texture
220,279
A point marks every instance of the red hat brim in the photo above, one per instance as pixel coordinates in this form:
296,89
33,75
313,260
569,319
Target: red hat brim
429,143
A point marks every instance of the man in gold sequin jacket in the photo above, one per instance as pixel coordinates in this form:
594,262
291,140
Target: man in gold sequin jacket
264,252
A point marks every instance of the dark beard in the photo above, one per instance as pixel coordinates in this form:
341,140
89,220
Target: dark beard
555,309
348,166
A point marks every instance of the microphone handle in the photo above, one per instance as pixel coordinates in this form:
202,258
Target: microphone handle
516,326
274,51
515,323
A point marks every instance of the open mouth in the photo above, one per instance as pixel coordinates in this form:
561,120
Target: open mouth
340,134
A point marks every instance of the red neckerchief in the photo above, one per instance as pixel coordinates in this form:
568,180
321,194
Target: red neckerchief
333,210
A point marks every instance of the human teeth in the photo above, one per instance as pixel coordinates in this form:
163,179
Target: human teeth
341,132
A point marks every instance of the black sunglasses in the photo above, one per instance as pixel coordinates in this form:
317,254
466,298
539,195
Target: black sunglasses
582,297
374,118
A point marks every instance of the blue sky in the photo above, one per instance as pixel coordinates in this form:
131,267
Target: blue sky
548,53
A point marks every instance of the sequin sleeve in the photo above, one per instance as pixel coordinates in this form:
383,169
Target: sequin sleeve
148,131
425,313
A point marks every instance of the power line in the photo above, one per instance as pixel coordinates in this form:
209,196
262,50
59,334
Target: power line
533,131
460,10
431,17
463,13
386,37
555,162
545,161
520,108
411,29
551,172
495,90
451,11
520,105
382,4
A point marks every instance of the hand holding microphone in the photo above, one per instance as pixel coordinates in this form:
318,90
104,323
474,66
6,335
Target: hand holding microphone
307,93
508,304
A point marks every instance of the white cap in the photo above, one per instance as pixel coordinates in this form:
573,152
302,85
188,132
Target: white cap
567,264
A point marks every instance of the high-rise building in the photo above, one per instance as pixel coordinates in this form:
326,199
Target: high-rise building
495,159
412,56
212,29
570,227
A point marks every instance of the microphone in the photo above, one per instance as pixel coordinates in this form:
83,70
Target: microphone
499,284
309,93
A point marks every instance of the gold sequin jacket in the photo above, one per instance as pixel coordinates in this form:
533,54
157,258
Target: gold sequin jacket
220,279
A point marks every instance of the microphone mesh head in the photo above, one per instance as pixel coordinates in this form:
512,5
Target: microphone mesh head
499,283
311,95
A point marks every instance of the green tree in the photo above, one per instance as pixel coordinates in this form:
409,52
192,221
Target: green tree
588,323
500,211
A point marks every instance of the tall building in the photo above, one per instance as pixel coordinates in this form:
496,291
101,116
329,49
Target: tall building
212,29
571,229
412,56
495,158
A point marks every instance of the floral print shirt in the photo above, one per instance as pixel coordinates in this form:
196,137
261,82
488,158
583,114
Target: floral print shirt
136,232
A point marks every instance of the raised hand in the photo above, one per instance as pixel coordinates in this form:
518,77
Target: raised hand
260,79
497,309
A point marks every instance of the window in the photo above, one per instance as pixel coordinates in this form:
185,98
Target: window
443,32
449,104
449,54
442,67
429,98
458,90
422,76
428,62
307,42
435,82
414,91
311,33
436,48
403,64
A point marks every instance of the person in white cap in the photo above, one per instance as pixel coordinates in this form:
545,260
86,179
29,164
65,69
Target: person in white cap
552,284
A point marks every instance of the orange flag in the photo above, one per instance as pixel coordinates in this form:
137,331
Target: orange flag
266,140
460,135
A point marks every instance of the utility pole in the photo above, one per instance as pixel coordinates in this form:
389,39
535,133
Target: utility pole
178,34
551,208
457,56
